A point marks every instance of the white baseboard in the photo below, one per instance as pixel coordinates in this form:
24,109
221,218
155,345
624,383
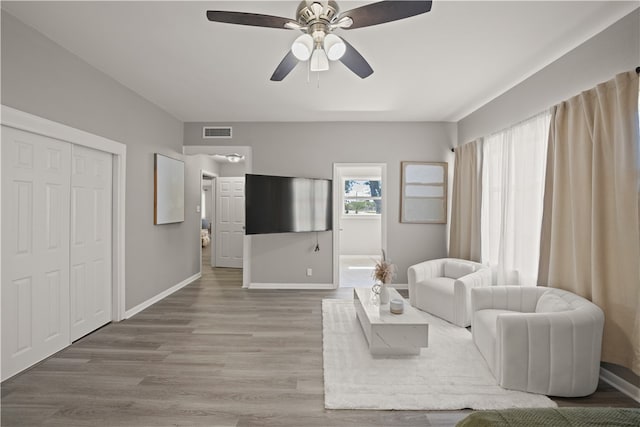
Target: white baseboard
138,308
291,286
317,286
620,384
373,257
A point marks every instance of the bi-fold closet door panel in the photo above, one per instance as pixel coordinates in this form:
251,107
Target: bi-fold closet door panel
90,273
37,248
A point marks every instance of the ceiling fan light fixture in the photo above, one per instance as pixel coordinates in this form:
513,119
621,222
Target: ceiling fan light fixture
319,60
317,19
317,9
334,47
302,47
234,157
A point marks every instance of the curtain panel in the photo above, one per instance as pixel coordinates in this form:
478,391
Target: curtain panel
590,242
464,236
512,195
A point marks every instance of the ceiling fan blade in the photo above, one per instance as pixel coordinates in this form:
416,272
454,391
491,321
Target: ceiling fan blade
254,19
385,11
287,64
356,62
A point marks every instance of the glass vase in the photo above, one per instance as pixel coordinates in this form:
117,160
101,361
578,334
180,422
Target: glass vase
384,293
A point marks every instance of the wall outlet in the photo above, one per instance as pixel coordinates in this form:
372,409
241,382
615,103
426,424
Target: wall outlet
309,272
198,208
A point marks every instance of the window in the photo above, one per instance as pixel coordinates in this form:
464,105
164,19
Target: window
362,197
512,198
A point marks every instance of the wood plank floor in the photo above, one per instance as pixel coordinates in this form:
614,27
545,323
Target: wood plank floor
211,354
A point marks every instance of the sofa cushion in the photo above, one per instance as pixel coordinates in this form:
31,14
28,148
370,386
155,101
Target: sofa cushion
435,296
455,269
485,325
551,303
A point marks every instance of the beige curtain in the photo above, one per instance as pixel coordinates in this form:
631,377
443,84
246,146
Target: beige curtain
464,237
590,242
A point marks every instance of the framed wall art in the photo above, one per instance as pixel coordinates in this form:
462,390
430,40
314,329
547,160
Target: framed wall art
423,196
168,190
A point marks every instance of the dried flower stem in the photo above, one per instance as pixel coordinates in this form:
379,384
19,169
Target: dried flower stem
384,270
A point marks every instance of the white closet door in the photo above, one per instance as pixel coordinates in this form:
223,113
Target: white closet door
229,222
90,273
35,248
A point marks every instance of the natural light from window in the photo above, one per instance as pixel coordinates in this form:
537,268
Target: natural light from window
512,198
362,197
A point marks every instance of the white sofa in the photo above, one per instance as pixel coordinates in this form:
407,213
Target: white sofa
538,339
442,287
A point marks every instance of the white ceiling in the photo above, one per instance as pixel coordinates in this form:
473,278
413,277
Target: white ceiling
439,66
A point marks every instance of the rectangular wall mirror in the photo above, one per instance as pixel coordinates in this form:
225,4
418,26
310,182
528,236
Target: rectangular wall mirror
168,190
423,197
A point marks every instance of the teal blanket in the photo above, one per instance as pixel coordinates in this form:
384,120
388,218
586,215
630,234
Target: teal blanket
554,417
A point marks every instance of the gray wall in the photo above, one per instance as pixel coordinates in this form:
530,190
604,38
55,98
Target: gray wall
309,150
42,78
232,169
194,165
613,51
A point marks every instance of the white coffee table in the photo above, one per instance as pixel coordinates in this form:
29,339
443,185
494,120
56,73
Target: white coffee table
387,333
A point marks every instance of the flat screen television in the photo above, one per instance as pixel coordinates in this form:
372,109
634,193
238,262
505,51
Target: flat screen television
279,204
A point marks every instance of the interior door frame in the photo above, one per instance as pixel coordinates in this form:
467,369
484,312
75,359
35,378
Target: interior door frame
337,210
213,177
38,125
246,151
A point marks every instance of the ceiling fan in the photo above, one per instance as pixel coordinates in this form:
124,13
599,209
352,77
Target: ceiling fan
317,20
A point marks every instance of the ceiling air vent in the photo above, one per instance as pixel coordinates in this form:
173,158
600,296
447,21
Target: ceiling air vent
209,132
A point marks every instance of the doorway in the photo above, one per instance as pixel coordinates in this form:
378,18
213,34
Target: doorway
207,219
221,207
229,168
360,231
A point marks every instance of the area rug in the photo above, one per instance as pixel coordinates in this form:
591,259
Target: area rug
450,374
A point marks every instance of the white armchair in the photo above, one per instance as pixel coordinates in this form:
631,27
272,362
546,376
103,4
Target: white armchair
538,339
442,287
